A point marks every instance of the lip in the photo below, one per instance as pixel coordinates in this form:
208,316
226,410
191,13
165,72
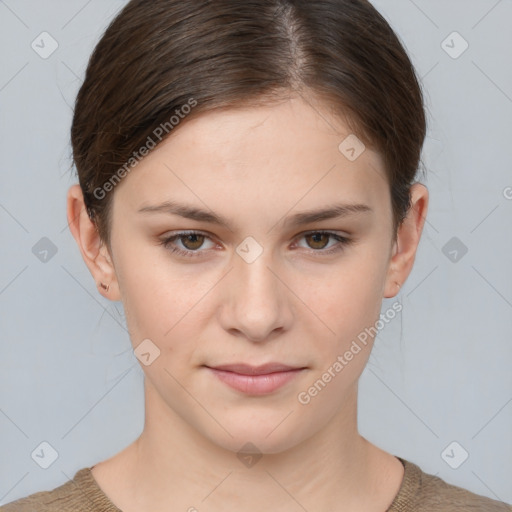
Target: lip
255,380
247,369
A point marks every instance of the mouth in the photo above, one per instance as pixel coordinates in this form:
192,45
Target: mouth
255,380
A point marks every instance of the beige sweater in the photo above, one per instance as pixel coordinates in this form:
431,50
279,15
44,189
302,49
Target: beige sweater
419,492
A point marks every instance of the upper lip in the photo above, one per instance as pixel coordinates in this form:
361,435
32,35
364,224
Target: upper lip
246,369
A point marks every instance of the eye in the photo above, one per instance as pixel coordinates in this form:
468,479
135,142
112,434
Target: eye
319,240
190,240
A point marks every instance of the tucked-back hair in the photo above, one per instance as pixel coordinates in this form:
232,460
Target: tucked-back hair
156,56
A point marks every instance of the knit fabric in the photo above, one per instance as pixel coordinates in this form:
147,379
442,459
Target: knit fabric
419,492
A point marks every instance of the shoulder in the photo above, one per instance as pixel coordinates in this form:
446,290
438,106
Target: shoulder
77,495
424,492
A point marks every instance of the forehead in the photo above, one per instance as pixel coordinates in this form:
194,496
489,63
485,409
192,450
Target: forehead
287,152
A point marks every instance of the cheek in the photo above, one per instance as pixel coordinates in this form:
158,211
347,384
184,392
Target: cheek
348,302
349,305
346,299
163,302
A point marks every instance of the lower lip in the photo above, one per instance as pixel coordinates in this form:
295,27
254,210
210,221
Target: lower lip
256,384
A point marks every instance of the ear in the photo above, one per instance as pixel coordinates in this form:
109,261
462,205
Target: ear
408,238
94,252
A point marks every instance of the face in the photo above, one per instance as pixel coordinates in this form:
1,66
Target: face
255,278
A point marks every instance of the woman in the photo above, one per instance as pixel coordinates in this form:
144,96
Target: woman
247,189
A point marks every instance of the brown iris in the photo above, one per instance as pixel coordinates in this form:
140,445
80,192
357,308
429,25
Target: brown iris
195,240
316,237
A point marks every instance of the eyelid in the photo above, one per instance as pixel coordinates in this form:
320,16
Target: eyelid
336,232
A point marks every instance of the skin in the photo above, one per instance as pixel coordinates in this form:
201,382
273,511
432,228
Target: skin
254,166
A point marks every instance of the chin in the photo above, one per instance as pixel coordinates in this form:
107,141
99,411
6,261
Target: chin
261,437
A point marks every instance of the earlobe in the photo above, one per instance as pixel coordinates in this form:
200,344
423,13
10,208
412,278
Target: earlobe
94,253
408,238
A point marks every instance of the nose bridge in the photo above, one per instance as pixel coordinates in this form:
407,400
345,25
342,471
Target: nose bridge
257,279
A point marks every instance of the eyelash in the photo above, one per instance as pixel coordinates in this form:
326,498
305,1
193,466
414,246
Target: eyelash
343,242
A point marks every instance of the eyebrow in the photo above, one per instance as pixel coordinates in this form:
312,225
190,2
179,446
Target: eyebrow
190,212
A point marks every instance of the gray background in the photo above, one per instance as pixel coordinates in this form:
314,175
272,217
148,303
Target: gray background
439,372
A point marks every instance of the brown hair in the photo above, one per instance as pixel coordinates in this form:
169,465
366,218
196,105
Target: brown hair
155,57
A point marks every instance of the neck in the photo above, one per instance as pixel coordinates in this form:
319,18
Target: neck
173,466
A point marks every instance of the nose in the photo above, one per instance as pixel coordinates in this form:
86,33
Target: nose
254,301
